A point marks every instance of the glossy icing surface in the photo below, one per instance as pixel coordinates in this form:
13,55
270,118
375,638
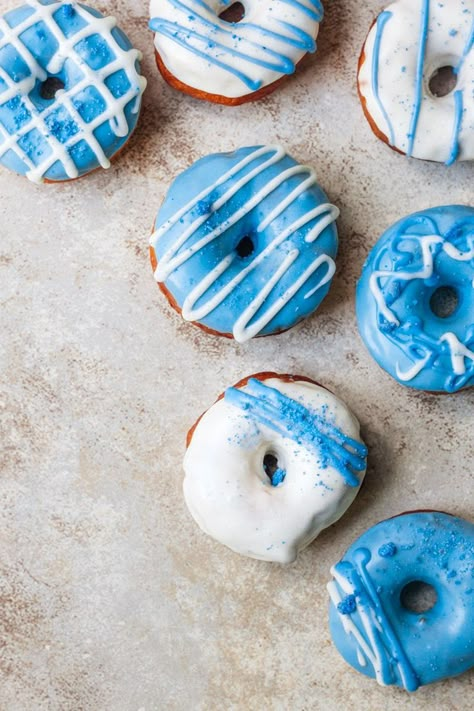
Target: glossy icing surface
321,462
263,199
412,260
371,627
90,116
233,59
410,41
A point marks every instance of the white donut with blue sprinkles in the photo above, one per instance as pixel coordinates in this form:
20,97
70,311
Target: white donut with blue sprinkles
202,53
244,243
378,629
408,45
273,462
415,300
70,90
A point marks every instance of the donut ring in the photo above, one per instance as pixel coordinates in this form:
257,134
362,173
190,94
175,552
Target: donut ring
405,49
70,90
370,625
244,243
202,54
414,261
274,461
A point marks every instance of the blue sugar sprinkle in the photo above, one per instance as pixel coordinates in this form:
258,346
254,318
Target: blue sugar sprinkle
388,550
278,477
348,605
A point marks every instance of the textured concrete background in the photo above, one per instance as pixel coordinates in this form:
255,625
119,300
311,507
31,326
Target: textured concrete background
110,596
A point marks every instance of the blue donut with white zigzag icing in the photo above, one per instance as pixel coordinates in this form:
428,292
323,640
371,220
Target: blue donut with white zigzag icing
244,243
407,48
373,624
415,300
70,90
206,55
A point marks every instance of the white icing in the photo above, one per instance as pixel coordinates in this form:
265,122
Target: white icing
221,58
231,497
417,38
176,255
115,107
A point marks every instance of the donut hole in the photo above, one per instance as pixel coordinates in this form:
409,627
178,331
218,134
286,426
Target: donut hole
443,81
444,301
234,13
245,247
50,87
418,597
272,469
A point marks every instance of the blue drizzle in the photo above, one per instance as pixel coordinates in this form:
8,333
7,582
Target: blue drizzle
458,112
291,419
382,20
185,35
425,15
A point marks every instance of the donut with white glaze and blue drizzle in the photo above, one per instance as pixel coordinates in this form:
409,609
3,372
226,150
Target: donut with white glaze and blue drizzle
70,90
244,243
374,625
410,47
273,462
415,300
229,52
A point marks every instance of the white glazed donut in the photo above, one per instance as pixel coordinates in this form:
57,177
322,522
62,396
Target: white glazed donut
207,56
274,461
406,47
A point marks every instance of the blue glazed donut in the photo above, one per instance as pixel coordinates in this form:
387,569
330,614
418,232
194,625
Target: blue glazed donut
370,626
415,261
244,243
70,90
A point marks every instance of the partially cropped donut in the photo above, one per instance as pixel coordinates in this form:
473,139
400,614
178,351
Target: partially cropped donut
70,90
408,45
244,243
415,300
203,52
274,461
373,626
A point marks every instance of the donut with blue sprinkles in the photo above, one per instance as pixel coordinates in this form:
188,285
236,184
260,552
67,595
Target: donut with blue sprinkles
375,626
70,90
415,300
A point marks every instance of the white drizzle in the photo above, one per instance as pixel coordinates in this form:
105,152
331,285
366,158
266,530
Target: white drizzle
115,111
173,257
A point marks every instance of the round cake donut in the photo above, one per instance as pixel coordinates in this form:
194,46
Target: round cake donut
415,300
274,461
374,628
244,243
70,90
408,45
201,49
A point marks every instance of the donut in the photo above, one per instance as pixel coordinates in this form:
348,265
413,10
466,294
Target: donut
415,300
274,461
412,46
371,624
244,243
70,90
229,52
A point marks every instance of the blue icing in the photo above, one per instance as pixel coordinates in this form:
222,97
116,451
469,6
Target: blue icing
194,210
58,127
311,429
380,637
402,333
425,16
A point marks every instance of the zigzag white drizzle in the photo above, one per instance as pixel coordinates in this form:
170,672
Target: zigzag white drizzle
458,351
115,111
173,257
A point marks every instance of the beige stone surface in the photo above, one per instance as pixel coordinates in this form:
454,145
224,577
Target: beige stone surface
110,596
